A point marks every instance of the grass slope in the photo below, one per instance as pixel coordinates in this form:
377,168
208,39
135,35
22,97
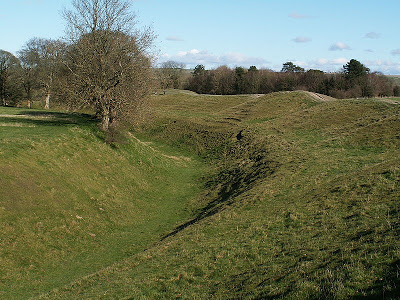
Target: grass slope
71,204
300,202
304,204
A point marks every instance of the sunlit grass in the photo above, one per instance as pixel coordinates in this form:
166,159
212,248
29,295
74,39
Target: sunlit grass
299,200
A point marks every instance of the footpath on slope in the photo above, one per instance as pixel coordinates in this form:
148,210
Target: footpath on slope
319,97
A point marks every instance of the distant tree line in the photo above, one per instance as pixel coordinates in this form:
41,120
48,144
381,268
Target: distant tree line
355,80
109,69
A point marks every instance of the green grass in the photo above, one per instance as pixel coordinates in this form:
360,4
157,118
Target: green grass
71,204
300,200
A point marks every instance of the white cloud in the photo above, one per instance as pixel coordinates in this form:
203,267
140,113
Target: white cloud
194,57
340,61
384,66
174,38
372,35
339,46
332,65
301,39
330,62
395,52
324,64
294,15
300,63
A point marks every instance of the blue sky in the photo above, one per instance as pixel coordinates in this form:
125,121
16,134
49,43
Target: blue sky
322,34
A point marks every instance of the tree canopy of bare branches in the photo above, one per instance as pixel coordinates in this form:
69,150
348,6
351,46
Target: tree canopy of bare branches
9,69
107,62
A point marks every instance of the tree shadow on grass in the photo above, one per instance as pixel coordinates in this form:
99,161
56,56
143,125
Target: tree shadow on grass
387,287
59,118
39,118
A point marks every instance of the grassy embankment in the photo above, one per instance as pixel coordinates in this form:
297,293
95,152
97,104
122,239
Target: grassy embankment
303,204
71,204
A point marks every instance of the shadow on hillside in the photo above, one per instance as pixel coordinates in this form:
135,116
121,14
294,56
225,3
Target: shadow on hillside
39,118
387,287
231,183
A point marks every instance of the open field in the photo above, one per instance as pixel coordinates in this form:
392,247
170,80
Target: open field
278,196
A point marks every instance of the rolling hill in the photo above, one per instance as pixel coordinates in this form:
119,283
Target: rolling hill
278,196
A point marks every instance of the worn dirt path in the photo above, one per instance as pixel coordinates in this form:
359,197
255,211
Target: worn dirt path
320,97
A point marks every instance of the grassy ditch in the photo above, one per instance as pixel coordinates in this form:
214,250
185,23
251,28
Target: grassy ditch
71,204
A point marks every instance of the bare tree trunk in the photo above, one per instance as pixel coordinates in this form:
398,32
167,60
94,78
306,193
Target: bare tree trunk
29,103
4,101
47,101
105,122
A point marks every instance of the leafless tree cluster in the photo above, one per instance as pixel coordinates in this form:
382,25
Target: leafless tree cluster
171,75
10,92
107,64
104,63
30,74
40,62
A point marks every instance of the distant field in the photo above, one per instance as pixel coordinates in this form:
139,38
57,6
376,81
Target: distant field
281,196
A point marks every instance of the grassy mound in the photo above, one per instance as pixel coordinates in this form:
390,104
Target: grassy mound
300,201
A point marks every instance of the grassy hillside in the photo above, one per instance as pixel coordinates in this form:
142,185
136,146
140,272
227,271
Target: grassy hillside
71,204
300,200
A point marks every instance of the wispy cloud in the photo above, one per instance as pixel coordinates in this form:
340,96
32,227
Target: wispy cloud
332,65
384,66
372,35
295,15
301,39
369,50
339,46
324,64
174,38
194,57
395,52
330,62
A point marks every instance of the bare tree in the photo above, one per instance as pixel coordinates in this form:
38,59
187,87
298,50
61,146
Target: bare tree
107,60
41,59
50,54
9,67
29,59
171,74
224,81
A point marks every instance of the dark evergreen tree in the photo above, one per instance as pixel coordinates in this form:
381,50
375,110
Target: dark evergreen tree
289,67
396,91
354,69
239,80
